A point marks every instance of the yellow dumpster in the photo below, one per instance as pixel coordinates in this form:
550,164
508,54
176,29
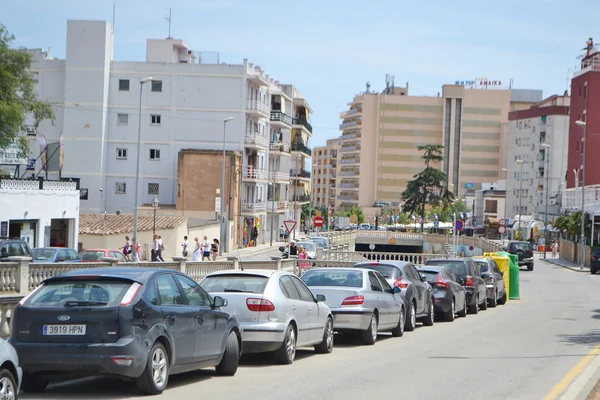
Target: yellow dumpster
503,263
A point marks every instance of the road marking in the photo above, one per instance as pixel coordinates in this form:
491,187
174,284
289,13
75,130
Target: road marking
564,383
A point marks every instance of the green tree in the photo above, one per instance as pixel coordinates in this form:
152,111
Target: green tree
429,188
18,95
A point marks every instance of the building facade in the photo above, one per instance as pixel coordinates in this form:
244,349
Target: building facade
537,156
381,133
324,173
184,106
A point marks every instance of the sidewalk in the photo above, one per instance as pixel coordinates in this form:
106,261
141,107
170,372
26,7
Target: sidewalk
258,249
566,264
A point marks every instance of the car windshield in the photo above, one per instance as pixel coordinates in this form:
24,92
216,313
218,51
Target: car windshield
96,292
43,254
92,255
331,277
519,246
430,276
482,265
387,271
243,283
458,267
321,242
308,246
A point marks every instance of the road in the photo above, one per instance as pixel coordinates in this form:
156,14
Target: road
517,351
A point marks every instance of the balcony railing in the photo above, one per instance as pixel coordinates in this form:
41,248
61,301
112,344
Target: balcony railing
255,105
349,173
301,147
279,176
253,138
350,136
281,147
279,205
278,116
348,149
256,207
253,173
299,198
349,124
350,161
303,122
39,184
300,173
348,186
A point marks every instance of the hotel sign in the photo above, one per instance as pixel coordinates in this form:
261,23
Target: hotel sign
479,82
11,156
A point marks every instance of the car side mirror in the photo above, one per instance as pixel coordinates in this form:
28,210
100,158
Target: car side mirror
321,298
396,290
501,273
423,279
219,302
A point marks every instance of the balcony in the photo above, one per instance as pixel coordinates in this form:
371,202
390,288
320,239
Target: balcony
252,174
299,173
348,186
278,206
303,123
301,198
254,208
279,177
280,120
349,173
351,135
349,149
258,108
302,148
346,197
255,140
350,161
349,124
275,147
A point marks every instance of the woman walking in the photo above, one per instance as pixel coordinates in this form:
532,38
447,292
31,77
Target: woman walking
303,266
197,254
214,249
554,248
127,248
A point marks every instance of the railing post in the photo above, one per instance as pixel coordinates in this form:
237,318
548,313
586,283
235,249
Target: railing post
235,261
181,261
22,275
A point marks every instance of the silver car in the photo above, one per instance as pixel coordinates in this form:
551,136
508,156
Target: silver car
360,300
10,372
275,310
310,247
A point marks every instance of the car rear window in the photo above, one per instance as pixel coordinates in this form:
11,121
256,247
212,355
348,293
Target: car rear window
526,246
387,271
242,283
458,267
81,292
92,255
324,277
430,276
43,254
483,266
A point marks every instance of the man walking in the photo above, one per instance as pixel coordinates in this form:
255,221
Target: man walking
160,249
206,249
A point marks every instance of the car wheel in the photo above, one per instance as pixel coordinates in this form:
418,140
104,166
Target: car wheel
494,300
8,385
326,346
287,351
484,305
502,300
592,270
463,313
411,318
474,308
398,331
449,315
156,374
34,383
231,356
369,336
529,267
429,319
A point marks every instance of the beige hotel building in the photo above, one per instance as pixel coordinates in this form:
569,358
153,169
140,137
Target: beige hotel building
325,166
378,153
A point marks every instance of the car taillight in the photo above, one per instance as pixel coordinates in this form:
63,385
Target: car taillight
354,301
441,283
490,278
593,258
130,295
401,283
259,305
27,297
469,282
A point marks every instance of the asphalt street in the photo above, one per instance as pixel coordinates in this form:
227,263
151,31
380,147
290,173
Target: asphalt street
517,351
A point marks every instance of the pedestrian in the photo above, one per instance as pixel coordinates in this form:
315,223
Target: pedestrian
303,266
138,251
127,248
206,249
293,249
554,248
185,246
541,244
255,236
197,254
153,251
214,248
160,249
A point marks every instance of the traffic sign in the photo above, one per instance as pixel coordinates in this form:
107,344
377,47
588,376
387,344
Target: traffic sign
318,221
459,225
501,229
502,222
289,226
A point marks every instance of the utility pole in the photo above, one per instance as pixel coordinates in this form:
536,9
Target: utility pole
547,172
272,205
520,161
583,124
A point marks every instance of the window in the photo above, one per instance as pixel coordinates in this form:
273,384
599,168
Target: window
288,288
235,283
194,294
168,291
305,293
124,85
121,153
120,187
153,189
154,119
154,154
122,119
375,284
157,86
491,206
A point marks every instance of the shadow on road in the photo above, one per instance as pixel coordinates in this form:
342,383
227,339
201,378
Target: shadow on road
590,337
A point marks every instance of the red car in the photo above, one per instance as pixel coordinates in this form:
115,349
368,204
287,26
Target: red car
95,255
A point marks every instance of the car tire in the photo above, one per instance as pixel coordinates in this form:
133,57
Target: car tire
484,305
463,313
493,302
411,318
326,346
449,315
593,271
474,308
231,356
529,267
369,335
8,384
287,352
34,383
503,298
430,317
398,331
155,377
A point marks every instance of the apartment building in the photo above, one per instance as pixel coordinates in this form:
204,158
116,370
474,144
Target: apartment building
189,104
537,157
324,173
381,132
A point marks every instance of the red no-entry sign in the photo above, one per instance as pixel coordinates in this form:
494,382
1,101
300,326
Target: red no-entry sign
318,221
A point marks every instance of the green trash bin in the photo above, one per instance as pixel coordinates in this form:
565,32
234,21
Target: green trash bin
514,293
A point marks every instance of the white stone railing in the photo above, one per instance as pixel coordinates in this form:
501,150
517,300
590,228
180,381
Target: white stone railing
254,207
254,105
253,173
59,185
255,138
20,184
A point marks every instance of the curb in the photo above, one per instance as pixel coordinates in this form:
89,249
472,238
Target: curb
582,386
574,269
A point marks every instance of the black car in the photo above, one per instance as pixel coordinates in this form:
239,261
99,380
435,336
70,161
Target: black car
13,247
524,251
469,277
448,294
491,274
139,323
595,261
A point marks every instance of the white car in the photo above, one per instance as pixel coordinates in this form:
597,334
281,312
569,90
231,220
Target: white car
310,247
11,374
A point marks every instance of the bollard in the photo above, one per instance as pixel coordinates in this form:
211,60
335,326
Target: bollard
181,261
515,290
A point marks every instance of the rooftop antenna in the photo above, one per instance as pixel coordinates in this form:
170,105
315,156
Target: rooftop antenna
368,87
169,20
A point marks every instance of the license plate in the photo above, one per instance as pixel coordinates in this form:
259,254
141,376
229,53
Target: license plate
66,330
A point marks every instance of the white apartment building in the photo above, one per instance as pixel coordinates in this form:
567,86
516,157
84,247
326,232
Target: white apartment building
184,107
538,137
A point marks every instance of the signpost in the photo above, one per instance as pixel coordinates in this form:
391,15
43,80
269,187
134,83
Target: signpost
501,230
289,227
318,221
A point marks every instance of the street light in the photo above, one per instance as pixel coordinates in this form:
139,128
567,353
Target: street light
520,161
222,233
137,168
583,125
505,203
155,204
547,173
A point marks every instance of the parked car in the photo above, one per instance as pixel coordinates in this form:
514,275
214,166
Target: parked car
310,247
55,254
595,261
524,251
277,312
141,323
14,247
11,373
449,296
469,277
321,242
360,300
95,255
493,277
417,293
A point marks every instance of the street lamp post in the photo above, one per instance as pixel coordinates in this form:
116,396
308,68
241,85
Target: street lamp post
272,205
155,204
505,234
520,161
223,236
547,173
137,169
583,125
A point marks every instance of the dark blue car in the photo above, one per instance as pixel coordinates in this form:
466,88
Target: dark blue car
54,254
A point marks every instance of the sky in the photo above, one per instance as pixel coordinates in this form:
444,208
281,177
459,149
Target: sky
329,49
